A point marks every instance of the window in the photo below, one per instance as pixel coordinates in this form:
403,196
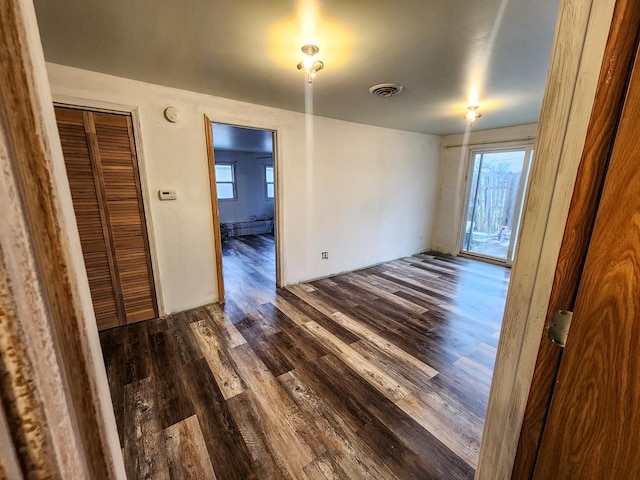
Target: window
226,181
268,175
497,186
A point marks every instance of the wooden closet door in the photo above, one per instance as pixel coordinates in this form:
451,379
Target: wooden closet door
114,135
90,217
118,199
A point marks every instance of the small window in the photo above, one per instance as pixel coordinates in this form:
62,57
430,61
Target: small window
226,181
268,175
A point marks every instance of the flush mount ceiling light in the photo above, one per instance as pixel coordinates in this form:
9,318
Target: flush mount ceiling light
386,90
309,63
472,115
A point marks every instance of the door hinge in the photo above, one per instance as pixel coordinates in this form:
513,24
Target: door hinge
558,328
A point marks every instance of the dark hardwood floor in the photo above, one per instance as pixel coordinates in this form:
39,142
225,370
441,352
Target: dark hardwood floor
382,373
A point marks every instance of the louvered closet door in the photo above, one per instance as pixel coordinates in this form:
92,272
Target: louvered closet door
109,138
92,225
114,136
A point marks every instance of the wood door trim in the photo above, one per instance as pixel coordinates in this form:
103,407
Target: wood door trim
217,237
103,208
612,85
277,205
44,295
143,218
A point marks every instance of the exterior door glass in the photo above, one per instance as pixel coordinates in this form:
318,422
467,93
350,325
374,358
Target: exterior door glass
495,197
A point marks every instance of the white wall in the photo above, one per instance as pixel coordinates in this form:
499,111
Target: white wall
251,190
364,194
451,179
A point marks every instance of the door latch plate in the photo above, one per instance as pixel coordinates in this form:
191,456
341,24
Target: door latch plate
558,328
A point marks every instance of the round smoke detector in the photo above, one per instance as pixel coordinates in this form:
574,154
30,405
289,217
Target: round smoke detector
386,90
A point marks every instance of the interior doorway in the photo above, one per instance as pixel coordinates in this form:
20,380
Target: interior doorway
244,190
497,182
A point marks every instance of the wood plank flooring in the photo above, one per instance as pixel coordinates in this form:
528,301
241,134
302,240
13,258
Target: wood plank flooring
383,373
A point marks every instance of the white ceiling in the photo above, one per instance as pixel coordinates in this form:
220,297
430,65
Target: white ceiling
440,50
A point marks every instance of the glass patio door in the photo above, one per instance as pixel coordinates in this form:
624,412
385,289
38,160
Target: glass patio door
495,195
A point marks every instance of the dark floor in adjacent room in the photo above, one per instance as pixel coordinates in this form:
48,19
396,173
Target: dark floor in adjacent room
382,373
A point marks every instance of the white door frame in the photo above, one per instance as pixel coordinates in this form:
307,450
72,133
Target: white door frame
79,103
581,34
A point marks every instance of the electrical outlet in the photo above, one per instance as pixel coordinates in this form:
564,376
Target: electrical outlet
325,255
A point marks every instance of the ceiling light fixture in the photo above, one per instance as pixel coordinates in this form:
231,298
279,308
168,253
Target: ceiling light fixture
309,63
472,115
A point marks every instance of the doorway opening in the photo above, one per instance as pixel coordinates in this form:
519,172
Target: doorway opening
497,182
244,189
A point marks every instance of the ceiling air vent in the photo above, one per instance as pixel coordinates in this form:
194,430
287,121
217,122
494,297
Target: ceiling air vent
386,90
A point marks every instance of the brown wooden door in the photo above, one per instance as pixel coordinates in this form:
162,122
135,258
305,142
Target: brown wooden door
105,187
593,427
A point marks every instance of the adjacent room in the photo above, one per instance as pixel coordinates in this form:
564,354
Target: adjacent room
298,222
243,207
